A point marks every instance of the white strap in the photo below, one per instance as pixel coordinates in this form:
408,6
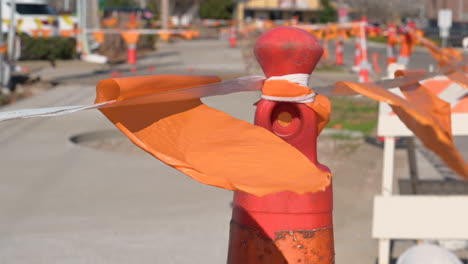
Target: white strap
49,111
243,84
310,98
299,78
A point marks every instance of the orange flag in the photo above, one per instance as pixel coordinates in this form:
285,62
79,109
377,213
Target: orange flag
109,22
206,144
130,37
99,36
424,114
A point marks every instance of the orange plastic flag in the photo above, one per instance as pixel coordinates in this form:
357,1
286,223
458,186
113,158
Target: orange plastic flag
130,37
187,34
206,144
3,49
165,35
424,114
444,56
67,33
109,22
46,33
36,32
99,36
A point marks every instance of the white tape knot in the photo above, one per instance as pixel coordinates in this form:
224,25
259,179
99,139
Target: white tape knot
299,78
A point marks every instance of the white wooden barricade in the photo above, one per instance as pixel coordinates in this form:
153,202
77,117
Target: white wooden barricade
422,216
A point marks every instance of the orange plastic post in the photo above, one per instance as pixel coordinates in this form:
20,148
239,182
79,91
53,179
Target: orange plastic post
407,44
233,36
285,227
339,51
325,49
375,62
364,67
131,39
391,42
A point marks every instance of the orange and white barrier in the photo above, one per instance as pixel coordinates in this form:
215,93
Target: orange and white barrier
436,217
339,52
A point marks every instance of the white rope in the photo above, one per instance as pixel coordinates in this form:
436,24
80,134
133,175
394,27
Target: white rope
310,98
299,78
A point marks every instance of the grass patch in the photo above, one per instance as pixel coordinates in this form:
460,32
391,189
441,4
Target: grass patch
355,114
383,39
330,68
379,39
4,99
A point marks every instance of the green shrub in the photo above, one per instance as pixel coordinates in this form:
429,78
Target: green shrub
216,9
52,48
379,39
328,13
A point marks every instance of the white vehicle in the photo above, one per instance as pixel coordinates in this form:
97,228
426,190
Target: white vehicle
31,15
67,22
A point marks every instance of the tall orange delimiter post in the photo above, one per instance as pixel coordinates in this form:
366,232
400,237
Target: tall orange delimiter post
285,227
